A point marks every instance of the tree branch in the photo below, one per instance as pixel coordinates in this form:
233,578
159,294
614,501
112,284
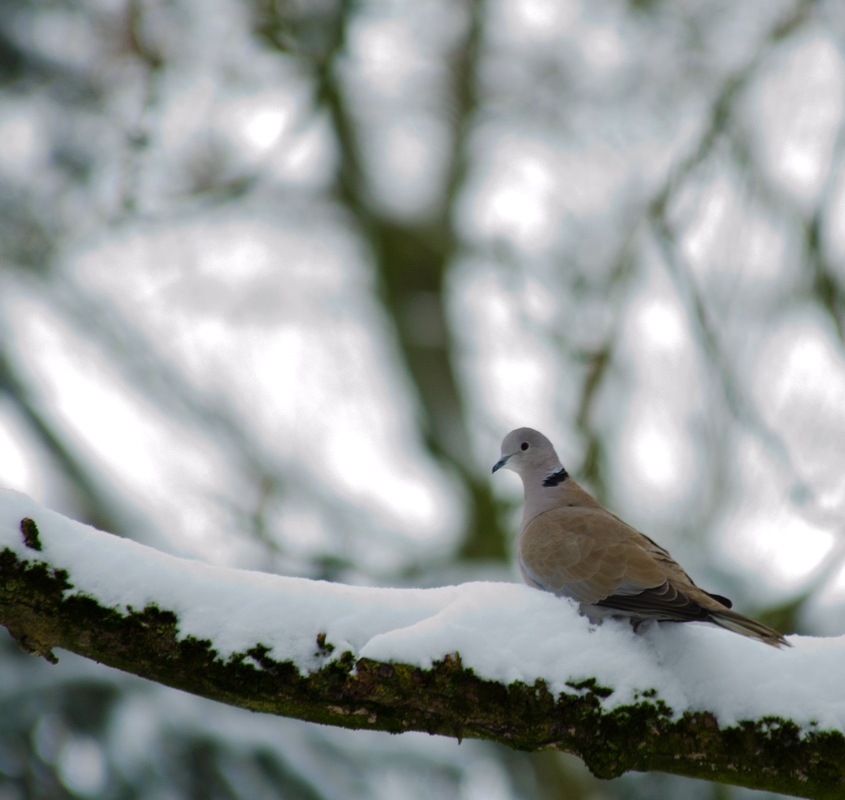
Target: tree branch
43,608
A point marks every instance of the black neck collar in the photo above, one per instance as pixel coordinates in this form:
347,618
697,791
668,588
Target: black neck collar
556,478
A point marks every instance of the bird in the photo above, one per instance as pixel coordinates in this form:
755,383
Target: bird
572,546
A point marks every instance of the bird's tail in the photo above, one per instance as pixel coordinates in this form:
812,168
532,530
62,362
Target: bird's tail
732,621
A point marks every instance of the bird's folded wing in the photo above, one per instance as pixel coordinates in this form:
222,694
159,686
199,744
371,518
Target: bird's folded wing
592,556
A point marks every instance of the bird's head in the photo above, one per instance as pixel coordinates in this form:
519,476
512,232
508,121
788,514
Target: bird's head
528,452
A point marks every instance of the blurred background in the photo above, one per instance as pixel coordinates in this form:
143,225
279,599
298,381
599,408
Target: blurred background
277,277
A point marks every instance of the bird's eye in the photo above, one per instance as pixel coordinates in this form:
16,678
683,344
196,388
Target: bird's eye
523,446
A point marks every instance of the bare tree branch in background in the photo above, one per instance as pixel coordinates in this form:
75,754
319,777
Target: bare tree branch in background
412,260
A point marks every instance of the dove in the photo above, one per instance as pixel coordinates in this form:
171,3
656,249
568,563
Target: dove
572,546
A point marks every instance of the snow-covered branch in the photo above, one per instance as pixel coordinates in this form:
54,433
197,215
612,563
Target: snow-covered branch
494,661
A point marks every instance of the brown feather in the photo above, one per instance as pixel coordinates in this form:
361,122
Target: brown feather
572,546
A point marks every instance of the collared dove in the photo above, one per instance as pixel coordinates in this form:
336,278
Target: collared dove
572,546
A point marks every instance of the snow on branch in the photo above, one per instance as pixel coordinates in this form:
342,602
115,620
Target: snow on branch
486,660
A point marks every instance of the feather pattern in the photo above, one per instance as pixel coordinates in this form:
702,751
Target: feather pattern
572,546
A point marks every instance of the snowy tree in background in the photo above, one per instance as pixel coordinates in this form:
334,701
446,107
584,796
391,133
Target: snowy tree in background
275,278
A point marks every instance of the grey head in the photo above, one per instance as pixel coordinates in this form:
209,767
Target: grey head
531,455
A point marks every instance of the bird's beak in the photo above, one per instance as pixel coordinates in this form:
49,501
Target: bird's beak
500,463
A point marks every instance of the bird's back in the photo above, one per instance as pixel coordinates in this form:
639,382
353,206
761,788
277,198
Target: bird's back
589,554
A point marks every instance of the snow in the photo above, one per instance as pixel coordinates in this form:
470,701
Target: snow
504,632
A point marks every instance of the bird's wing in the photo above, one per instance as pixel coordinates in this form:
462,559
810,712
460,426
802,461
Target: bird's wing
592,556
